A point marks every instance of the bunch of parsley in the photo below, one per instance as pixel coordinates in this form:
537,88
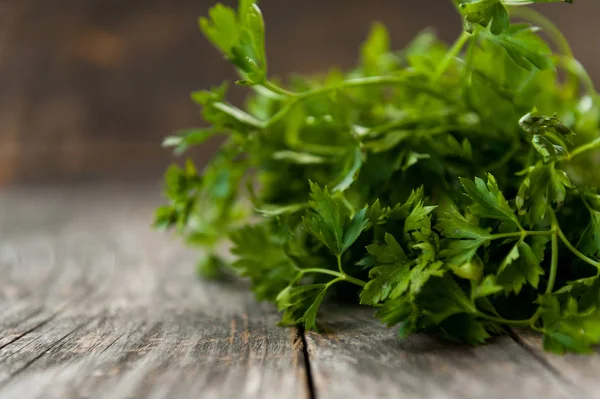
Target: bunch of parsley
455,189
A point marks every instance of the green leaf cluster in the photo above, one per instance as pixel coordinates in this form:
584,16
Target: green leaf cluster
454,189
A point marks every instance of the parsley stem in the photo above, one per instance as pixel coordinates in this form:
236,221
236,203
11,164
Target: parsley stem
268,93
592,145
322,271
373,81
238,114
282,113
520,234
451,54
278,89
358,82
504,321
340,276
577,70
339,263
346,203
575,251
353,280
553,262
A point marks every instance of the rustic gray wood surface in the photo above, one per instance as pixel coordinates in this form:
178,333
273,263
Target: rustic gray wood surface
93,303
356,357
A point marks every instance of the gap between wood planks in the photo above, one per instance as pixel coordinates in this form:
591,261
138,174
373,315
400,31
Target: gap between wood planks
310,383
95,303
544,362
312,391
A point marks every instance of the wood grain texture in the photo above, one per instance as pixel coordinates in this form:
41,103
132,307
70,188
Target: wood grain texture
358,358
582,371
93,303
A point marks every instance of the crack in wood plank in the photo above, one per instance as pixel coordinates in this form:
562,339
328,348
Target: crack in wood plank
156,331
36,327
17,337
310,383
579,371
544,362
54,345
360,358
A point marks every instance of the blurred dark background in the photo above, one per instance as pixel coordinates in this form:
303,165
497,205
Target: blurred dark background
88,88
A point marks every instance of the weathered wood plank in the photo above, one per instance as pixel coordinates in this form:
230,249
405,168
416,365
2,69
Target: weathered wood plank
93,303
18,319
358,358
582,371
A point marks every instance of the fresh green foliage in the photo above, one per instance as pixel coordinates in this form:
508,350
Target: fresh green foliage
455,189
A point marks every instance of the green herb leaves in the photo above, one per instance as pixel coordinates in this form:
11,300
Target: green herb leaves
492,13
329,222
484,13
240,37
520,266
420,182
524,47
488,200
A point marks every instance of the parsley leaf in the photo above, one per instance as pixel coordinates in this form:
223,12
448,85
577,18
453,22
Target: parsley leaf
488,200
240,37
329,222
300,304
524,47
261,257
392,278
520,266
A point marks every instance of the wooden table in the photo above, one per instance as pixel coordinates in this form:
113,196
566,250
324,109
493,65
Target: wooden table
93,303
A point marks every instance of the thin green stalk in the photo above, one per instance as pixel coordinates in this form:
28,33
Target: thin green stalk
345,276
340,276
373,81
353,280
520,234
332,282
575,251
470,56
346,203
238,114
576,69
278,89
407,121
359,82
264,91
554,259
322,271
592,145
339,263
501,320
535,317
282,113
452,54
553,262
